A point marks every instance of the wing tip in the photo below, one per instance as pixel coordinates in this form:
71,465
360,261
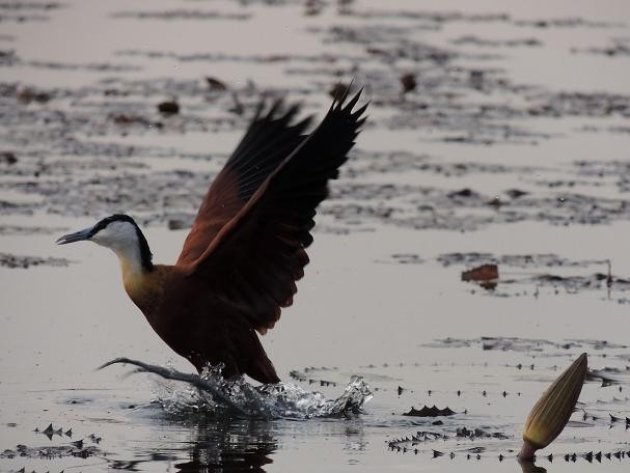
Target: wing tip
345,105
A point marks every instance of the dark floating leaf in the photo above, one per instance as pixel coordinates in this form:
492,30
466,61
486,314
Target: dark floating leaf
6,157
408,82
485,272
216,85
429,412
515,193
465,193
49,431
170,107
78,444
486,275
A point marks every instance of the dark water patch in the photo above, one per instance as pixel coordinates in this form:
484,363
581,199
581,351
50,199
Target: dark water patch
478,433
353,204
24,262
386,36
181,14
383,375
213,57
595,104
7,57
17,208
177,194
438,18
535,346
569,22
473,40
37,168
471,123
537,277
617,171
116,108
619,47
62,447
28,11
467,209
612,129
30,6
479,453
51,452
224,444
466,121
513,260
8,158
408,258
371,164
483,428
66,66
610,376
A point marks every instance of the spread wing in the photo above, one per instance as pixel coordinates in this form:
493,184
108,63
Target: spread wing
254,261
269,139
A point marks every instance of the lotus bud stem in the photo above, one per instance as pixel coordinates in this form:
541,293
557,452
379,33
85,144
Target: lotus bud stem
553,410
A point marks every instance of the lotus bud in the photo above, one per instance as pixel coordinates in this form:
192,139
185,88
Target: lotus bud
553,410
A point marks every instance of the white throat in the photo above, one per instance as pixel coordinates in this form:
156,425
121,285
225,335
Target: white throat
122,239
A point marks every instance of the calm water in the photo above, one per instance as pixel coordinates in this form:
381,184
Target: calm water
512,149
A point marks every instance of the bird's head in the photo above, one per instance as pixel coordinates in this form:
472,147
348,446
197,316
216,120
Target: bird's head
121,234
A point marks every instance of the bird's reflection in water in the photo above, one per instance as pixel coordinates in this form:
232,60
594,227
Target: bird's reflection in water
531,467
238,445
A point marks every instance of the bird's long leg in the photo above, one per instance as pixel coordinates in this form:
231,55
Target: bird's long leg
193,379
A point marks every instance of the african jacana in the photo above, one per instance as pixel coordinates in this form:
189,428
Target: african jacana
246,249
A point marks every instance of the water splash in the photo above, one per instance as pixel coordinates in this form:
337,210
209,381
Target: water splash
211,394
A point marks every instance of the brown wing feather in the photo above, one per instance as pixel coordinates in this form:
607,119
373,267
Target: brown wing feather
256,258
269,139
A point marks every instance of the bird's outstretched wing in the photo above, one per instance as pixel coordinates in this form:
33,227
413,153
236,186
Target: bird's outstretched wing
270,138
254,260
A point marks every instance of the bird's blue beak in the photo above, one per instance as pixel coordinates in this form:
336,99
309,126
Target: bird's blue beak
76,236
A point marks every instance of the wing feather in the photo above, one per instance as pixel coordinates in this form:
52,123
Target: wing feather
269,139
255,259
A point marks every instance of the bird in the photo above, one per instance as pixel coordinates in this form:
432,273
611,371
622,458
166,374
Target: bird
247,246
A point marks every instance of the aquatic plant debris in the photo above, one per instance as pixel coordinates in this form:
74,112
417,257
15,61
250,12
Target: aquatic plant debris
11,261
427,411
239,398
82,448
483,273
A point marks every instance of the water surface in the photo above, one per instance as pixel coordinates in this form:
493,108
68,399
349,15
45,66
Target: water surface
511,149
